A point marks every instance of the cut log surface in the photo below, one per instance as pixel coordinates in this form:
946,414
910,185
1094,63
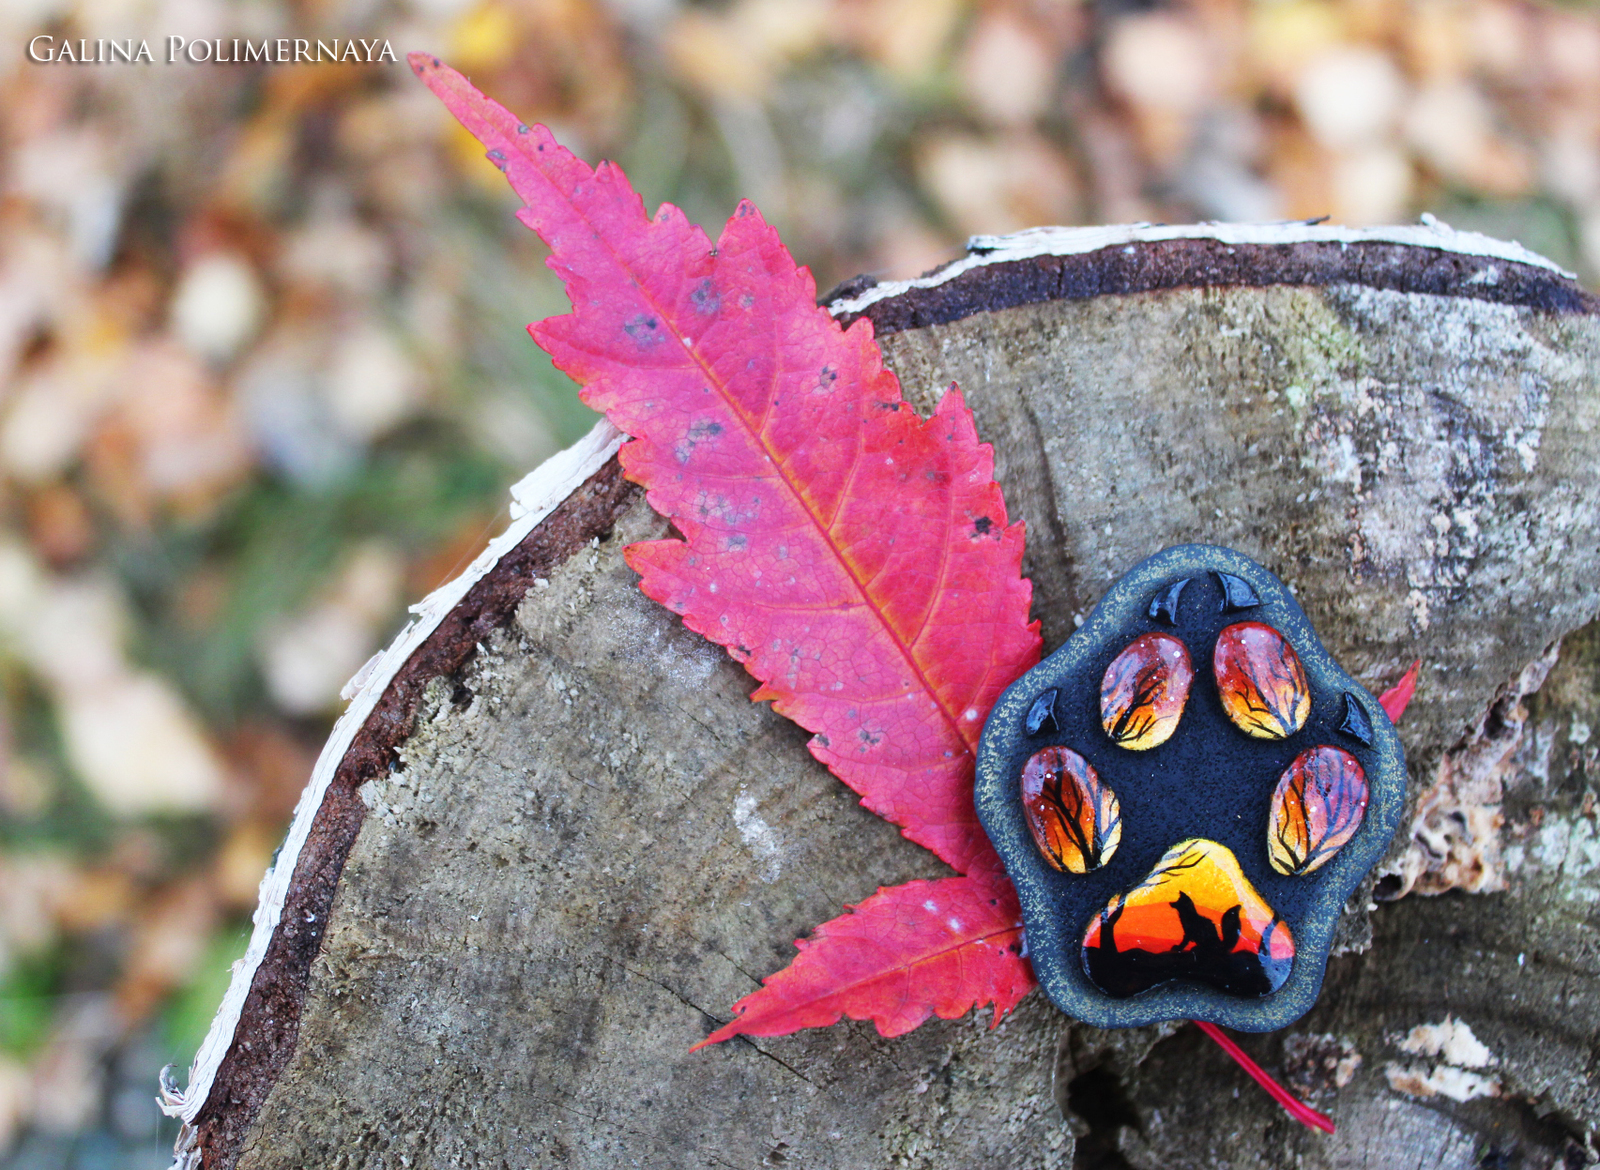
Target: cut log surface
558,842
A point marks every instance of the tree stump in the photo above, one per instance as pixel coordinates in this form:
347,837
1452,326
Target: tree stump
553,841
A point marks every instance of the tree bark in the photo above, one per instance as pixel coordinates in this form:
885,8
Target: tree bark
565,842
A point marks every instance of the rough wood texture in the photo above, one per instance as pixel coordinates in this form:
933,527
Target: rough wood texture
269,1022
594,843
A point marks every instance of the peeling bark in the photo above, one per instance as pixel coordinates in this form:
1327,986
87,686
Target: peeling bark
1455,833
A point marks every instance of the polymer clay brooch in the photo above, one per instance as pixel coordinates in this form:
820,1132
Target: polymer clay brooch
1184,795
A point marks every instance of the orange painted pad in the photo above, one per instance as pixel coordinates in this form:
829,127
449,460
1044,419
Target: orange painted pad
1074,817
1195,916
1262,684
1317,807
1144,690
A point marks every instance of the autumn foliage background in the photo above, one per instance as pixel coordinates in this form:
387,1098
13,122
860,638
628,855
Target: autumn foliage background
264,380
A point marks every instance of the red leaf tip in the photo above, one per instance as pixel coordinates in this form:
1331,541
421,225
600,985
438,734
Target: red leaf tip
1395,700
716,1037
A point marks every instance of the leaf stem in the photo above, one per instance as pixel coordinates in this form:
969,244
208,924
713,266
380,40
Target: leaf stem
1292,1105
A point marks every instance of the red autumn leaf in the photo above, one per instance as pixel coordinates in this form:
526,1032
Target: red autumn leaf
941,947
1395,700
855,557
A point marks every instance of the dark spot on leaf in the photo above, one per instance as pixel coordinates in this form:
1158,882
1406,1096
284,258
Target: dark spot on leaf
522,127
705,298
824,740
982,525
746,301
498,157
738,542
644,329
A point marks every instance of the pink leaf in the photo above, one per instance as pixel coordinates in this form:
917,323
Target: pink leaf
856,558
925,948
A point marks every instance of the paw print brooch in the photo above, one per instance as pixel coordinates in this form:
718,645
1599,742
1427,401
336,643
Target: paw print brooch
1184,795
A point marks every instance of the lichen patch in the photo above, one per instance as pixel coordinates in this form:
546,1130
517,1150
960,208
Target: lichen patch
1452,1040
759,837
1440,1081
1459,1055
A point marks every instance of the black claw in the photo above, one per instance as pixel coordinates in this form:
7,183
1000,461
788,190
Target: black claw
1042,715
1356,722
1237,593
1164,606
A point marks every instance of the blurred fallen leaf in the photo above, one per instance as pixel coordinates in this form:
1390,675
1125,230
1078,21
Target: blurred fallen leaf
308,658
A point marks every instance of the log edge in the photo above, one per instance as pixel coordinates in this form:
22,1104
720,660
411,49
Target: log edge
556,510
1049,264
